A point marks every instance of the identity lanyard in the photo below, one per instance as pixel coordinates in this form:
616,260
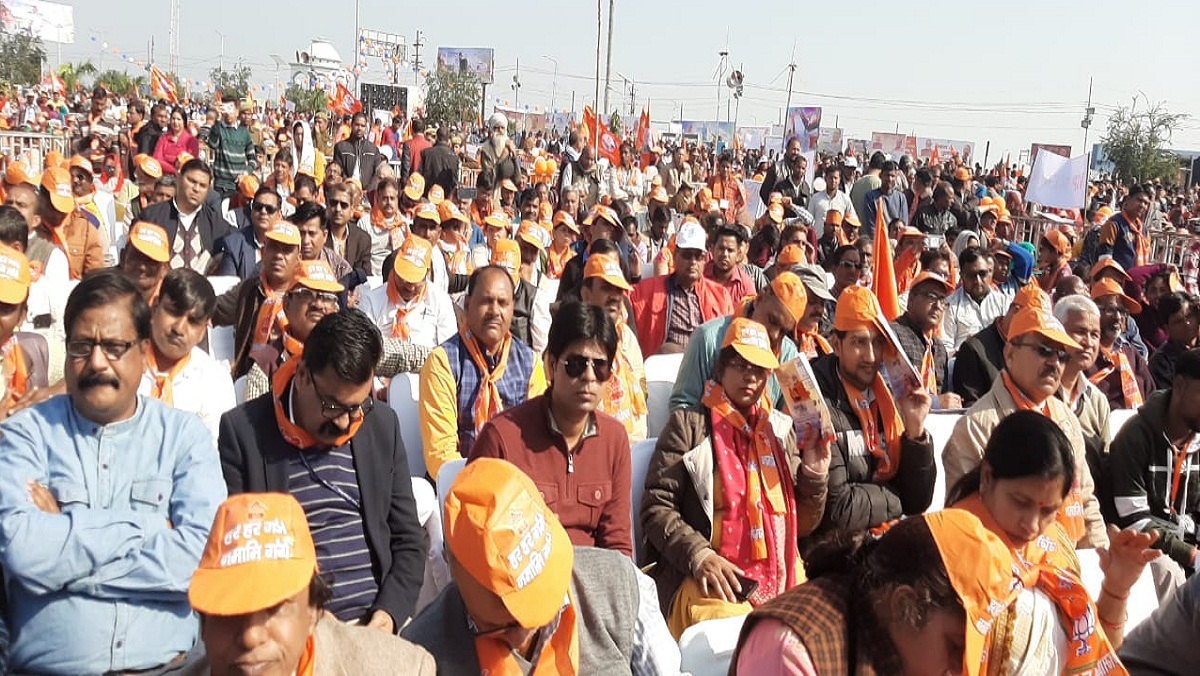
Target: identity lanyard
1181,455
337,490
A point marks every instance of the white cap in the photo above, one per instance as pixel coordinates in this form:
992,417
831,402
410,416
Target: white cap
691,236
497,120
851,162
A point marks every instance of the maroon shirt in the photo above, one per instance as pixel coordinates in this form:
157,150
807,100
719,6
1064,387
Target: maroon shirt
590,493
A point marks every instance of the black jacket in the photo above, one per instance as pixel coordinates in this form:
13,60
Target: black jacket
255,458
211,226
440,165
358,249
978,362
855,502
362,154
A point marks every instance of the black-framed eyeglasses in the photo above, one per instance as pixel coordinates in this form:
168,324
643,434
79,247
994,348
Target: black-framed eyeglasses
576,364
490,633
269,209
112,350
1045,351
338,204
850,265
310,296
934,298
334,411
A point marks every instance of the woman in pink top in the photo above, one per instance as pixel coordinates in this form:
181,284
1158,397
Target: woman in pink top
175,141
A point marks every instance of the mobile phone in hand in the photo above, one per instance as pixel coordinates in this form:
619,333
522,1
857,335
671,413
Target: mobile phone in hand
749,586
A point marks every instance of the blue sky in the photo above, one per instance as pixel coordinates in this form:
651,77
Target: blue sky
1010,73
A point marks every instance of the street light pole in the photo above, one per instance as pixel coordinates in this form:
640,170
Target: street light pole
221,63
553,83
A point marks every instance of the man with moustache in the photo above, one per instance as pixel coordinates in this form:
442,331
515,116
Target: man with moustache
788,178
497,156
916,331
106,499
319,436
1120,371
357,156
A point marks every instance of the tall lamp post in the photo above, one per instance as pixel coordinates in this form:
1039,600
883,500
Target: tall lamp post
554,82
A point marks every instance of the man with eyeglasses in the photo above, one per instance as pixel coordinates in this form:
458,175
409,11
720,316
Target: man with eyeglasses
916,331
319,436
242,249
409,306
668,309
974,304
1120,371
1037,351
577,455
351,243
178,373
106,499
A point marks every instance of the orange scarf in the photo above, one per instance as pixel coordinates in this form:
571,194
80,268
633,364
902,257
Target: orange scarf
1141,241
395,226
759,518
164,383
271,306
1070,515
16,371
487,400
1118,360
400,324
886,449
557,261
928,371
308,657
626,400
908,266
291,346
812,344
559,654
293,433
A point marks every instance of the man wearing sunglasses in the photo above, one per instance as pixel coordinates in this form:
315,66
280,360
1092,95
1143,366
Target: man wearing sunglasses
916,331
1035,356
351,243
974,304
241,251
320,436
577,455
106,499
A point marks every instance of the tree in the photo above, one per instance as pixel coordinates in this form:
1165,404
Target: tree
307,101
452,97
72,74
118,82
615,124
1136,142
21,57
231,84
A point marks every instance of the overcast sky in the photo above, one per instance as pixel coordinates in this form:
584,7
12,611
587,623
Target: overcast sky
1009,72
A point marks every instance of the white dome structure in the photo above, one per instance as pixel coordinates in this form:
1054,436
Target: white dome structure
318,65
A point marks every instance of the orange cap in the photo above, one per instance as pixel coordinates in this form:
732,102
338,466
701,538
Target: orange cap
1102,215
1109,264
775,212
82,163
980,568
608,268
413,259
414,188
565,219
987,205
750,339
607,213
436,194
833,217
505,537
448,212
497,219
705,199
429,212
1031,294
183,159
1058,241
57,182
911,232
508,185
508,256
792,254
963,174
148,165
151,240
1037,318
259,553
659,194
318,276
1002,215
858,309
15,276
284,232
18,172
54,160
247,186
926,276
1109,287
791,292
533,234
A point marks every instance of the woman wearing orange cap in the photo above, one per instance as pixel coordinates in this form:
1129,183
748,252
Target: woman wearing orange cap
1017,492
918,600
728,493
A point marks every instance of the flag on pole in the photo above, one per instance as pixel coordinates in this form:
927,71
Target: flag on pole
161,86
343,102
609,146
883,271
55,83
936,158
643,139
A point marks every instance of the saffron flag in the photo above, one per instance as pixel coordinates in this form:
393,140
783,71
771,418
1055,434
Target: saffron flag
55,83
609,145
161,86
883,271
343,102
936,158
642,136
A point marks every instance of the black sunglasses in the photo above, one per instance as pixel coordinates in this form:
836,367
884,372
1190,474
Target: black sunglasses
259,206
1046,351
576,364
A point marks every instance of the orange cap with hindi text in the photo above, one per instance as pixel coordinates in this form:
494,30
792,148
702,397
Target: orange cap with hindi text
608,268
151,240
18,172
318,276
413,259
436,194
790,291
15,276
260,552
148,165
508,256
284,232
414,188
56,181
564,219
751,340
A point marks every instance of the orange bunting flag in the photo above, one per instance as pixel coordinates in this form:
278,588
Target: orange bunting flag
610,146
343,102
883,271
643,139
936,158
162,87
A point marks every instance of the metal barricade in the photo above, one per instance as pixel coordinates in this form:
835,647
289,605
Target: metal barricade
467,176
14,144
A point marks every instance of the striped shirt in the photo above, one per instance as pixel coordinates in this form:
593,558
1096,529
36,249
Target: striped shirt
326,486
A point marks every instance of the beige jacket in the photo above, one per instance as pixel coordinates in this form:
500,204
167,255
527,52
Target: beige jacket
347,650
964,450
1092,410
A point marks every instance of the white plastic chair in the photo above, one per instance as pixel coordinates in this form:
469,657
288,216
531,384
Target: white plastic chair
707,647
1143,598
661,372
402,397
1117,420
641,453
239,390
222,343
445,478
939,426
223,283
429,515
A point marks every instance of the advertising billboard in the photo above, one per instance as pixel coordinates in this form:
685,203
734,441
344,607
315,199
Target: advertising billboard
50,21
478,60
805,122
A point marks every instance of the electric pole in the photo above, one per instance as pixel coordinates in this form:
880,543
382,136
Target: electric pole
420,42
516,85
791,76
608,59
1086,123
